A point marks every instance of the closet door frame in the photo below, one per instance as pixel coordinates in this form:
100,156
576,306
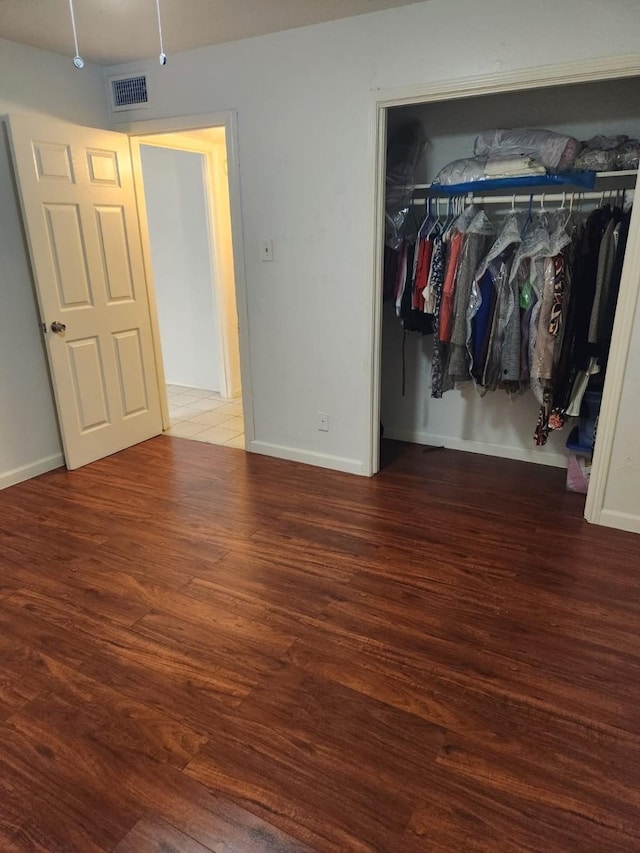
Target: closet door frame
612,68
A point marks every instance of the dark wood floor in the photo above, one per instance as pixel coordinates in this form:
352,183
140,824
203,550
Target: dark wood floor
202,650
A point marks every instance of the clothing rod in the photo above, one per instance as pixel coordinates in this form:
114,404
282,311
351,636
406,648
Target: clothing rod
526,199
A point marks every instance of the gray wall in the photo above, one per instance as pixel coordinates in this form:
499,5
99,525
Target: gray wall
303,99
33,81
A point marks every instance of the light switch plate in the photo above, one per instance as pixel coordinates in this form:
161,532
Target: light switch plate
266,252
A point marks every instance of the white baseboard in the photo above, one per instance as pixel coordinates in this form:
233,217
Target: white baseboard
34,469
308,457
556,460
619,520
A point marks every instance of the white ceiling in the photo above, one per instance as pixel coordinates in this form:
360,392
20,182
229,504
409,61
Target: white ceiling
114,31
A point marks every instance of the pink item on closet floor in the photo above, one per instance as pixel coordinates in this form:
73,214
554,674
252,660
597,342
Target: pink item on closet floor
578,472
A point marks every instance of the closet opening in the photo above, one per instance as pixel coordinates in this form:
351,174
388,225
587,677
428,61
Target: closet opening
503,257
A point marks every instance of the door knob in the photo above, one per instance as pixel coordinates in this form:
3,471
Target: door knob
58,327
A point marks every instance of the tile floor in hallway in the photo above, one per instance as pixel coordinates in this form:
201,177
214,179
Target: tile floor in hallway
205,416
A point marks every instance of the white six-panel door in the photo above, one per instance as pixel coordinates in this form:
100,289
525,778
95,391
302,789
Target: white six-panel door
79,209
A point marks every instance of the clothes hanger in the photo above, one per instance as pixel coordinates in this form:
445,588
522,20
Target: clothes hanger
529,218
427,220
451,217
437,223
544,215
413,220
568,211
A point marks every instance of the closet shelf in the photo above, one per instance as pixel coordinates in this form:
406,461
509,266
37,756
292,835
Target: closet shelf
627,175
602,181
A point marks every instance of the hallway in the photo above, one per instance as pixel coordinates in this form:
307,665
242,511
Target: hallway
205,416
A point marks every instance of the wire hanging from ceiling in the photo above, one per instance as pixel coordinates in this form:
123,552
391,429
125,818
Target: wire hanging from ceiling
163,55
78,61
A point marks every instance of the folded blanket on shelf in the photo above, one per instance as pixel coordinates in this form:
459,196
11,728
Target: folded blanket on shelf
506,167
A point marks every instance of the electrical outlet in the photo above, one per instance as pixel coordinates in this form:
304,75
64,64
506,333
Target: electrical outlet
323,422
266,252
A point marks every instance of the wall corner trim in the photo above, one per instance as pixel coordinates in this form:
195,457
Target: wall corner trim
307,457
619,520
33,469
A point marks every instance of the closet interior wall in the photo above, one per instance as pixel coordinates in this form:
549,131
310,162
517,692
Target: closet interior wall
493,424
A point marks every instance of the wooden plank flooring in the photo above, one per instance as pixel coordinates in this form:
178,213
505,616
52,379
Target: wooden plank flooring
203,650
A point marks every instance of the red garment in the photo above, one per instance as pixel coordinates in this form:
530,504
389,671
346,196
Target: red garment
425,251
448,289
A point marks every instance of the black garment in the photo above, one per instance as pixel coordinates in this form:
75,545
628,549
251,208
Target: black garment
584,284
413,320
566,369
577,352
391,260
610,297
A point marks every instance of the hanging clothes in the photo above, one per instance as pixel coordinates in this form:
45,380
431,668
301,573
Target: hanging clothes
564,371
543,363
441,287
595,264
425,251
436,283
547,346
532,308
606,258
413,319
525,293
489,290
609,297
455,237
586,275
475,247
542,347
448,288
482,304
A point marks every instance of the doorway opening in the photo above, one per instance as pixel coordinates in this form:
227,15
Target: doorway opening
185,187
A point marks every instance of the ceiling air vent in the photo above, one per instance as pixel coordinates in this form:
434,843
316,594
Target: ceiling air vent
128,93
